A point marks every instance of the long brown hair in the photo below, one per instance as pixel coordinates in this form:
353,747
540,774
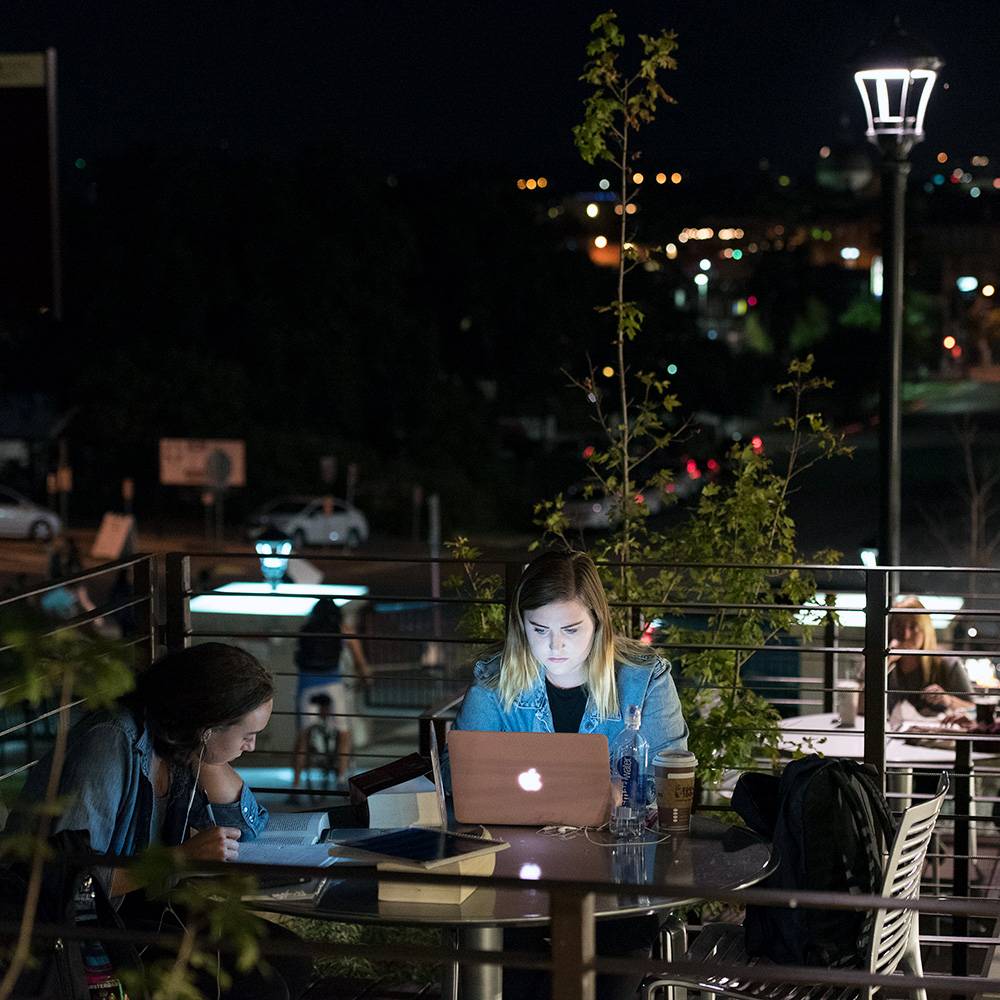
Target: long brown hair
203,687
564,576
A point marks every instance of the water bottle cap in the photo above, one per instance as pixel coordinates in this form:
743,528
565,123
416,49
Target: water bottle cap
633,717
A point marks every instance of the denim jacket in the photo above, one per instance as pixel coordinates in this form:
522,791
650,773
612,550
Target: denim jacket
647,684
108,794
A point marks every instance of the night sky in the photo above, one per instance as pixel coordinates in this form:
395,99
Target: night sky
445,85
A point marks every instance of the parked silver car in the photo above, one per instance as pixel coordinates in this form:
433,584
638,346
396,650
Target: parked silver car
21,518
312,521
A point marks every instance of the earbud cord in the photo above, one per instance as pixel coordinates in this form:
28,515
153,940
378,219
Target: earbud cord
194,787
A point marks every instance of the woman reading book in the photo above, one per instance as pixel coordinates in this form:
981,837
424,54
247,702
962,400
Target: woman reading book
157,769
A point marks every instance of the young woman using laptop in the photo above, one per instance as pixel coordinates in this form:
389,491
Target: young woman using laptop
563,669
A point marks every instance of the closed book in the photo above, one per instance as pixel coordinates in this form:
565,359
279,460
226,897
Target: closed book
412,803
451,892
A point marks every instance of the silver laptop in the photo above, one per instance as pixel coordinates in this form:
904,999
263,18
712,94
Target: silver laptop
530,779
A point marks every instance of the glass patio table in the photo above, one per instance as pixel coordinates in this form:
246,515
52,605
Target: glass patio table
712,856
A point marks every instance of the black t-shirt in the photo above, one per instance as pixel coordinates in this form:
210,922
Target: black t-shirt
567,705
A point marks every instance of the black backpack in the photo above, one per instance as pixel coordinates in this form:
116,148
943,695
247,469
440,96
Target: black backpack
830,824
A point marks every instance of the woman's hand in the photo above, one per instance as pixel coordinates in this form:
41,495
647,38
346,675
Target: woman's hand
893,658
217,843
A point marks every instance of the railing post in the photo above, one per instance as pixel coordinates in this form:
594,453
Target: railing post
178,606
876,644
573,976
829,661
142,585
962,806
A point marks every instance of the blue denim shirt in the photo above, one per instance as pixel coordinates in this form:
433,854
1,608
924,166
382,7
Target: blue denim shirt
108,794
647,684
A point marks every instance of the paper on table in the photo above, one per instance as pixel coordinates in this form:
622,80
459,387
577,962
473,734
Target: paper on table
262,852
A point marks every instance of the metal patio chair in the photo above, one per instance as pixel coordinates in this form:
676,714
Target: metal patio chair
894,933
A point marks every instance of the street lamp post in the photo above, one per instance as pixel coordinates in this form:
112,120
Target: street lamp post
273,548
895,77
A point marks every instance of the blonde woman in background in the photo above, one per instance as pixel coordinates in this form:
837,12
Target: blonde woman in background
929,682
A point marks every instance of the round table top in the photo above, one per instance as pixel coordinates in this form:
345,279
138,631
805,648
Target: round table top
831,740
712,856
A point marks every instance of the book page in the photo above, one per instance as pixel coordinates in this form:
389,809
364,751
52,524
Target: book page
294,828
262,852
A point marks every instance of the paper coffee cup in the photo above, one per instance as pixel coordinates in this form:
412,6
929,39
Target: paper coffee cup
846,702
673,771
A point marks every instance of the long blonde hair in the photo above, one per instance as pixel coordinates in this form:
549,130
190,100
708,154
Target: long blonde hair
564,576
899,625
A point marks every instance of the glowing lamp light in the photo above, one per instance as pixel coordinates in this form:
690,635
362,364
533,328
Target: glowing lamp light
757,443
989,291
704,263
273,549
588,452
966,283
701,279
592,210
607,371
895,77
676,178
637,178
948,343
849,253
671,369
751,301
531,183
600,242
661,178
604,183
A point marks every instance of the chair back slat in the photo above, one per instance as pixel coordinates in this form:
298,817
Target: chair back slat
892,928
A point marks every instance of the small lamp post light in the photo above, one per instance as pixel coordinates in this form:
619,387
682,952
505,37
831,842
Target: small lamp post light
895,75
273,548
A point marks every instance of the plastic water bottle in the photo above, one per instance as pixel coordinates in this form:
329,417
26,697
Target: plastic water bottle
629,772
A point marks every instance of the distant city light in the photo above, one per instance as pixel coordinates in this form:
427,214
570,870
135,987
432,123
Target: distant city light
701,280
661,178
824,152
980,161
948,343
784,180
618,210
740,307
989,291
554,212
966,283
974,192
637,178
671,250
631,208
850,253
704,263
600,242
875,277
956,351
531,183
751,301
676,177
543,182
604,183
520,183
942,157
592,210
712,334
607,371
80,163
938,179
757,443
671,369
588,452
737,254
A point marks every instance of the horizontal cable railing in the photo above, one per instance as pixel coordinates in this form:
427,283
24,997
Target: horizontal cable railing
421,660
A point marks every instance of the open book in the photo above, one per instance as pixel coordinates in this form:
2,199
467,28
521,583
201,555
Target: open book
290,839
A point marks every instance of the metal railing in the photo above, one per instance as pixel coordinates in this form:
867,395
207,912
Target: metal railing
414,650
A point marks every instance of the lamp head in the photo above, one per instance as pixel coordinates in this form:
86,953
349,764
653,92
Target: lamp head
895,74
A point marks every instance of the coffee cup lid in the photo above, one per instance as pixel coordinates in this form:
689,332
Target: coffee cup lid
674,757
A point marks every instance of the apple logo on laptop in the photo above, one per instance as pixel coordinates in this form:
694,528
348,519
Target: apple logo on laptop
530,780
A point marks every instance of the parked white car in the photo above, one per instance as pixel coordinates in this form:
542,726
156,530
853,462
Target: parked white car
306,521
22,518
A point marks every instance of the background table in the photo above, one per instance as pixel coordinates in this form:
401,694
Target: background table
712,856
